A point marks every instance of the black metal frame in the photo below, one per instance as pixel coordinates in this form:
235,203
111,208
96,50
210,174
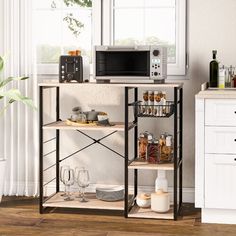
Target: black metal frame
57,150
129,200
178,145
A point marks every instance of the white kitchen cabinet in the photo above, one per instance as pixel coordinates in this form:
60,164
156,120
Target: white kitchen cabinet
220,112
220,177
221,140
215,155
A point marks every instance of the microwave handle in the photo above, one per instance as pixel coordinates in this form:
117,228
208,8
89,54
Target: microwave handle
107,48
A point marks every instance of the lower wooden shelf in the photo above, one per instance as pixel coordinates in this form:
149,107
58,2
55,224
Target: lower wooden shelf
137,212
93,203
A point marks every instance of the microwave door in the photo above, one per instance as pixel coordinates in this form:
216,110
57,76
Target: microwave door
123,63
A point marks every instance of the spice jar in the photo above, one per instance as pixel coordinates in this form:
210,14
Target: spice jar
145,103
164,110
153,151
166,148
151,102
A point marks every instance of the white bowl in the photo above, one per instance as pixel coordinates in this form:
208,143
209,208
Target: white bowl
110,194
102,117
143,200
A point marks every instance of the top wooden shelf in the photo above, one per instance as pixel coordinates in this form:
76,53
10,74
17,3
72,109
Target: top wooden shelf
55,83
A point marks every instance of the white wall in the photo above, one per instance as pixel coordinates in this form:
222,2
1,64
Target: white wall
211,25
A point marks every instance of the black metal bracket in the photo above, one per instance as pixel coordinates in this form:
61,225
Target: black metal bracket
95,141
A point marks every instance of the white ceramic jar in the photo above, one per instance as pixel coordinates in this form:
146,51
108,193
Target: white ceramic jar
160,201
143,200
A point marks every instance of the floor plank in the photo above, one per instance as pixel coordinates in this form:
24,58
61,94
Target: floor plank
20,216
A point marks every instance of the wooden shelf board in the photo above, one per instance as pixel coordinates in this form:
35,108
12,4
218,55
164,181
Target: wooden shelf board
93,203
146,166
137,212
55,83
119,126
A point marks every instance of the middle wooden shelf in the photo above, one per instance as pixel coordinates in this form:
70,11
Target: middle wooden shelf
63,125
148,166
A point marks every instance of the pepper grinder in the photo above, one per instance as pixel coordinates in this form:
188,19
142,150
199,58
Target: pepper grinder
161,182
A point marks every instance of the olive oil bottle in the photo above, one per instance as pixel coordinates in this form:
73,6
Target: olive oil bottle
214,69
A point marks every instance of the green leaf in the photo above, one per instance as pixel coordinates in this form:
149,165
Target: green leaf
1,63
11,101
8,80
14,94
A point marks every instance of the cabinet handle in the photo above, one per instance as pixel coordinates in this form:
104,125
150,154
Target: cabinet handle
235,112
235,159
235,140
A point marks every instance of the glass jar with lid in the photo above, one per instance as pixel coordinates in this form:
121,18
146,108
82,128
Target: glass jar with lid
153,151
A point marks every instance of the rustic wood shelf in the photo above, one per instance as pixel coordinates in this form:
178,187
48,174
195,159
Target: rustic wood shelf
137,212
93,203
62,125
147,166
129,89
55,83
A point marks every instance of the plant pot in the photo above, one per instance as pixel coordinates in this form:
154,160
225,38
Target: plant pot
2,176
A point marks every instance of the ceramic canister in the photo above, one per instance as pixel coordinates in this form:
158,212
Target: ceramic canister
160,201
143,200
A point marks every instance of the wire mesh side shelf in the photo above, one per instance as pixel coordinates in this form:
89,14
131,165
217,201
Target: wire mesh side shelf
164,111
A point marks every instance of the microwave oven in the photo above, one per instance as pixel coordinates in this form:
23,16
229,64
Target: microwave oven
130,63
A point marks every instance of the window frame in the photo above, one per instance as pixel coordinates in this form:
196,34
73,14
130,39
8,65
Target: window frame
178,68
52,68
103,32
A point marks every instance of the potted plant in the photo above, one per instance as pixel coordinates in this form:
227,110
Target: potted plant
11,95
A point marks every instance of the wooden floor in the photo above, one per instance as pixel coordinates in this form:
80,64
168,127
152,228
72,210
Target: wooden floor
19,216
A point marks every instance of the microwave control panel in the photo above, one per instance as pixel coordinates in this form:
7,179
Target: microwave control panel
158,63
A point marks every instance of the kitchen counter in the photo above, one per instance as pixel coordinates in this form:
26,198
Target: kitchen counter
215,151
216,93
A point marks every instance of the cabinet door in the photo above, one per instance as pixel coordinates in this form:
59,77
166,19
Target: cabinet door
220,181
220,112
220,140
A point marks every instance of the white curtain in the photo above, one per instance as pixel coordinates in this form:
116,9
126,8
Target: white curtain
19,125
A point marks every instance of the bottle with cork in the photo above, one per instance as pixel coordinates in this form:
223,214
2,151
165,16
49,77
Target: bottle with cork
214,69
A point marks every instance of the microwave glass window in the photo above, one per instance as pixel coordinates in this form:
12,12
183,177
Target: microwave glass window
123,63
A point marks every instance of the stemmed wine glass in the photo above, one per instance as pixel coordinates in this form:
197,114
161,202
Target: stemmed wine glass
83,182
68,180
77,169
62,168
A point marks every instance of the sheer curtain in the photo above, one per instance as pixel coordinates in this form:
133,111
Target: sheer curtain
19,125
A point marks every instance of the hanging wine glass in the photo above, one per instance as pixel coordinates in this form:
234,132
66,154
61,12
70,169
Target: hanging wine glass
62,168
83,182
68,179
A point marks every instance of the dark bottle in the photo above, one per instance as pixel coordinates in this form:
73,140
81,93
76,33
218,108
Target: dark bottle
214,67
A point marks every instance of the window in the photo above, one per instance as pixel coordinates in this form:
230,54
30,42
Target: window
136,22
61,26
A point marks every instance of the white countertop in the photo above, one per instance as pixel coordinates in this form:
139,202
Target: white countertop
216,93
